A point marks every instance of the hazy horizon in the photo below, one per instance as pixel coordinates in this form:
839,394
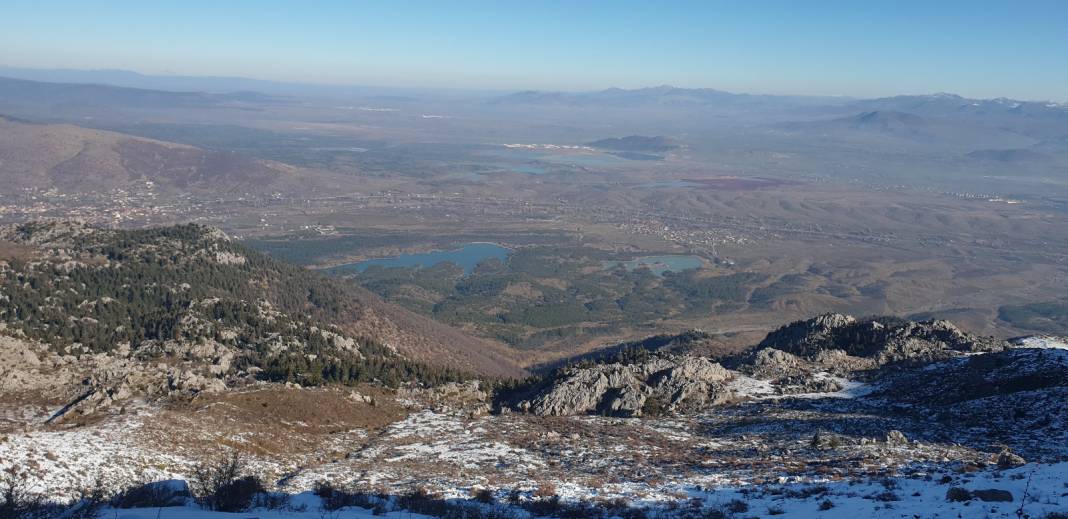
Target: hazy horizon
830,48
30,73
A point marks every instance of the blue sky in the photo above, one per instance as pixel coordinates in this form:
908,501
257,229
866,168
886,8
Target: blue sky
862,48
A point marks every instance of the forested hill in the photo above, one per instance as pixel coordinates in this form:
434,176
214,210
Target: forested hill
83,290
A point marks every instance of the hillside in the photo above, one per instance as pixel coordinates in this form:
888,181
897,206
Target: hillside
71,159
827,417
112,305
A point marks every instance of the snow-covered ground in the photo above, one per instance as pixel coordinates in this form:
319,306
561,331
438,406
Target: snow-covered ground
1042,341
1035,490
306,506
761,452
59,462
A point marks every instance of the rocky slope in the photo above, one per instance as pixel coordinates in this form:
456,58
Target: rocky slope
93,318
829,354
977,431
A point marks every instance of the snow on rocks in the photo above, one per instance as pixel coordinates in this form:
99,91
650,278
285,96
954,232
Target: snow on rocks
1041,342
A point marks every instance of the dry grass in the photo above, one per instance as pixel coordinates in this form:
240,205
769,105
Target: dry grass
294,424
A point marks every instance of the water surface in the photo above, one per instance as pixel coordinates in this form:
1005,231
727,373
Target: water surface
659,264
466,257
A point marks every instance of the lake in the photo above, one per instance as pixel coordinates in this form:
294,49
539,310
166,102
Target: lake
658,264
466,257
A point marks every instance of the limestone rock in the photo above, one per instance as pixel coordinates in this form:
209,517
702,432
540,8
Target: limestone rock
1007,459
896,437
674,382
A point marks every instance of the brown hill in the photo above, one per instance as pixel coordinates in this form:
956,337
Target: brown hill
72,159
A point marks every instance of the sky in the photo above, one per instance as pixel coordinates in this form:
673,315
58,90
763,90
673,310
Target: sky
861,48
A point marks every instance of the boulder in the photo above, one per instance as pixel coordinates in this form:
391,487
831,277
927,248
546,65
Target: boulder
896,437
1007,459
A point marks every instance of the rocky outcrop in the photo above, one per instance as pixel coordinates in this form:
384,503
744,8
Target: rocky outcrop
809,337
1007,459
661,383
843,345
90,382
824,355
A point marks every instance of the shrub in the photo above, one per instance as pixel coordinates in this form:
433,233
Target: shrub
334,498
485,495
958,494
17,503
715,513
826,505
654,406
421,501
160,494
221,486
545,489
544,507
272,501
88,506
737,506
806,492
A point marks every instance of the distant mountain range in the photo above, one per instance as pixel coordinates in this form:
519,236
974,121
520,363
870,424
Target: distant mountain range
666,96
46,94
221,84
955,105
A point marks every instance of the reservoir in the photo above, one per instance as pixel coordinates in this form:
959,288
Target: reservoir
658,264
466,257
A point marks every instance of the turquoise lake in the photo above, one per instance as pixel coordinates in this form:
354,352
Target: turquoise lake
658,264
466,257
